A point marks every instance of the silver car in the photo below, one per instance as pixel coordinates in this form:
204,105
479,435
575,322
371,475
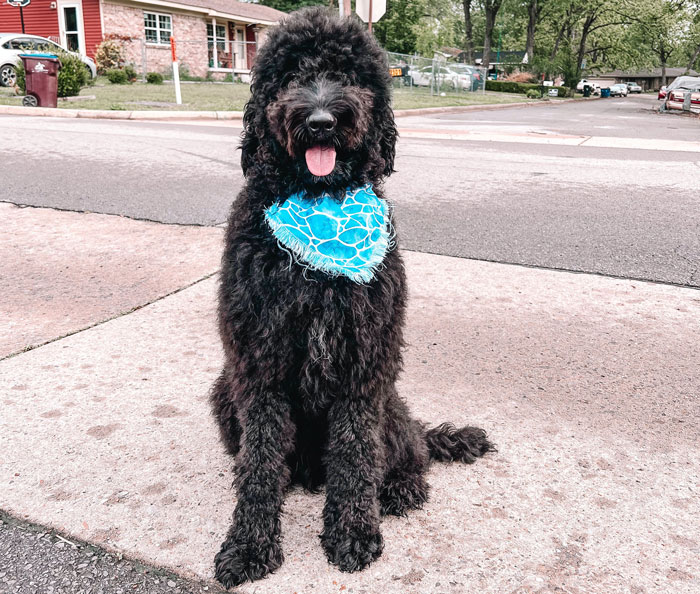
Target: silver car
14,44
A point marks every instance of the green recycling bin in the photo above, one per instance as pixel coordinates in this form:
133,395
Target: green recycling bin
41,79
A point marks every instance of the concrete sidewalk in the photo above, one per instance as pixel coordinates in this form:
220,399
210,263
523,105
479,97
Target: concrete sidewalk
588,385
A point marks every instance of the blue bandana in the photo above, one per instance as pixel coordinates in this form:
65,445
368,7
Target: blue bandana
348,238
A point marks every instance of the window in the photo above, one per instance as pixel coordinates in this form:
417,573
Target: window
217,35
220,37
70,19
158,27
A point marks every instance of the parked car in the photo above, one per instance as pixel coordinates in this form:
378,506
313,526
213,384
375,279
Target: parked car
676,99
633,87
677,83
14,44
595,88
474,74
440,76
618,90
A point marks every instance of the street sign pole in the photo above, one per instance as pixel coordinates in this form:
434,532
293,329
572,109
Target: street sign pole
20,4
369,25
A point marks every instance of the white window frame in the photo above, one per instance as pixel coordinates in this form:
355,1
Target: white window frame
216,39
80,24
157,28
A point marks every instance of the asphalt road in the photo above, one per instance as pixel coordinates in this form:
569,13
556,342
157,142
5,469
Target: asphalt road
518,188
36,560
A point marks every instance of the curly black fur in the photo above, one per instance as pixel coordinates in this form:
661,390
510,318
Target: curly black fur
308,392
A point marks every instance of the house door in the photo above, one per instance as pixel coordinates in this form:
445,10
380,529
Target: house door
71,23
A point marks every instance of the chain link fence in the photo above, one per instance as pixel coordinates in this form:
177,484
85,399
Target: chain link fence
232,59
198,58
434,76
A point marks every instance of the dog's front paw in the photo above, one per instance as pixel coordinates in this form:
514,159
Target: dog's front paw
353,549
237,563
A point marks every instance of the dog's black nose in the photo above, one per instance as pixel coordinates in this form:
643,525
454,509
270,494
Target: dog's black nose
321,121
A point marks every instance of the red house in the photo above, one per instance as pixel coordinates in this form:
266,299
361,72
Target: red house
215,37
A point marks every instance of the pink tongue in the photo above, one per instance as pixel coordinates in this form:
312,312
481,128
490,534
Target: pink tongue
320,160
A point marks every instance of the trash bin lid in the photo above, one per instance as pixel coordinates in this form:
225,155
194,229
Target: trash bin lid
54,56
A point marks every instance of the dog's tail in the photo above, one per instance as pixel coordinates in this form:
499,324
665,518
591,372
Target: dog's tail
446,443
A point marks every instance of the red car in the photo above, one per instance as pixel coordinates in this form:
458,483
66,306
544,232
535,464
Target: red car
676,100
678,82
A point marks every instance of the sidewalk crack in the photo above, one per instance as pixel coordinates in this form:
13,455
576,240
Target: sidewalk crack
104,321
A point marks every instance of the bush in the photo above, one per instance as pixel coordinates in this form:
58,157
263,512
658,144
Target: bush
21,82
73,75
506,86
117,76
131,73
154,78
109,55
532,94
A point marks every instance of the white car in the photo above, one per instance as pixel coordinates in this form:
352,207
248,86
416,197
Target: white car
633,87
14,44
619,90
424,77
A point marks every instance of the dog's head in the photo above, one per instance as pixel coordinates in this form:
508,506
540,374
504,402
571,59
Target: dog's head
319,118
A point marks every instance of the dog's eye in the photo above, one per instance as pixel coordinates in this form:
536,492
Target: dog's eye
290,77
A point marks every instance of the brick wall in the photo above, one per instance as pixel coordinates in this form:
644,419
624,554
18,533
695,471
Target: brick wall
190,32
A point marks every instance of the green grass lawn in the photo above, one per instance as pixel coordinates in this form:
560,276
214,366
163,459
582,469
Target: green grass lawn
203,96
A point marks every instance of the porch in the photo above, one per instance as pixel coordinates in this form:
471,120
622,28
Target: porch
231,46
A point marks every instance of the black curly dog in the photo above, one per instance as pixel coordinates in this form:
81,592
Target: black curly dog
307,394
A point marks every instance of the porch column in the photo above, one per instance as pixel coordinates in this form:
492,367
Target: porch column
215,50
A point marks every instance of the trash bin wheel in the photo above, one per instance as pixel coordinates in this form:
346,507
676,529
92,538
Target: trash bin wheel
29,101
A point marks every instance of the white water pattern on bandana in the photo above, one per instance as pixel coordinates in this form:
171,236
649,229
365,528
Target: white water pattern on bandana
348,238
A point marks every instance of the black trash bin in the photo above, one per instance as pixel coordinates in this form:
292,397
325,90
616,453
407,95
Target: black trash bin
586,90
41,79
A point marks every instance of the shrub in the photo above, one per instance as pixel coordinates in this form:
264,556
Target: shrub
109,55
117,76
72,76
506,86
521,77
131,73
154,78
21,83
532,94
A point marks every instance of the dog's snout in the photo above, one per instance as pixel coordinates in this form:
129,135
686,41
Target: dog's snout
321,121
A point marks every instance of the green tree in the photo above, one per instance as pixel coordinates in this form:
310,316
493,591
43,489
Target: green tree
395,30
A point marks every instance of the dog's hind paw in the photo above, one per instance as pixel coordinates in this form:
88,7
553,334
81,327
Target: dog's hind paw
236,563
352,552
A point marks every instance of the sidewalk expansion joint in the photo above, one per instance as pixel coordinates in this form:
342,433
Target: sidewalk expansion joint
111,318
651,281
219,224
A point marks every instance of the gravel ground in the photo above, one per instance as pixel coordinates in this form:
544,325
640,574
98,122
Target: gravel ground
36,560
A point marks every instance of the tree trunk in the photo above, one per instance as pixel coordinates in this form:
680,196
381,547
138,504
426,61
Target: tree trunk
468,34
663,73
491,8
555,50
693,60
533,13
588,23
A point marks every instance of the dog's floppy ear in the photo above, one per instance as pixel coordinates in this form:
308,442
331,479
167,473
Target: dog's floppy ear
249,139
388,136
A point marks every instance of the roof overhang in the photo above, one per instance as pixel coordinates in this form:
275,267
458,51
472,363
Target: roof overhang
201,10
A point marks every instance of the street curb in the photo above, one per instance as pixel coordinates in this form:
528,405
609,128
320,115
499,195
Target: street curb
486,107
105,114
